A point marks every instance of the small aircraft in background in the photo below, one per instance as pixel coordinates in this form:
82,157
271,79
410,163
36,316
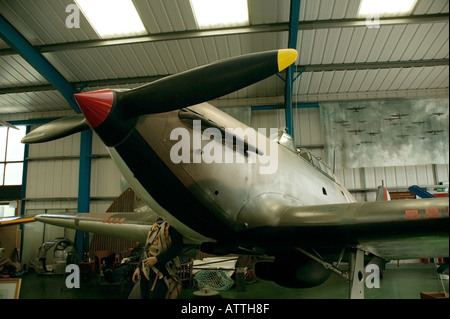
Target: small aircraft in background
232,189
435,132
3,123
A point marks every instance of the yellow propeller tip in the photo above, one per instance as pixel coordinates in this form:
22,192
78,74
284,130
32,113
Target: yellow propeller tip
285,58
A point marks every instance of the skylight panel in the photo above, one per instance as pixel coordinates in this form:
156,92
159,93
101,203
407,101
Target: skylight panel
112,18
220,13
386,7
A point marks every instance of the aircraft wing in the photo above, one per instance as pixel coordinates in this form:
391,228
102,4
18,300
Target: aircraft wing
403,229
15,220
127,225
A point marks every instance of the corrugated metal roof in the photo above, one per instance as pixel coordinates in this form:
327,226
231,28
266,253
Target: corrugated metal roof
407,57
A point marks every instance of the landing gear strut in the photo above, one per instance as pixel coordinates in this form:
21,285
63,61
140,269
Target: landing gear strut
357,274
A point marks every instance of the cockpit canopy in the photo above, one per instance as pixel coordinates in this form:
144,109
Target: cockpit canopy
286,140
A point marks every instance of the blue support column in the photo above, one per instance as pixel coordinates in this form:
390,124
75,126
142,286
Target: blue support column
21,45
292,44
84,188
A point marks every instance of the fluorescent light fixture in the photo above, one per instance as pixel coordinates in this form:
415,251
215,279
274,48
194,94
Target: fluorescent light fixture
220,13
385,7
112,18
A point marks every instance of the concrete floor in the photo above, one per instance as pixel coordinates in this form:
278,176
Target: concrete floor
398,282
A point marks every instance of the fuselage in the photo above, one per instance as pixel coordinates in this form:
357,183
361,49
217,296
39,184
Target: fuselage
209,174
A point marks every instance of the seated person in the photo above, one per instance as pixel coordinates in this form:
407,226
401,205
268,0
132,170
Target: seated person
7,267
127,266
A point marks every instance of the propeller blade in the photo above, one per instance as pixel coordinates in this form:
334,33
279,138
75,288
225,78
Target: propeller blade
114,113
57,129
206,82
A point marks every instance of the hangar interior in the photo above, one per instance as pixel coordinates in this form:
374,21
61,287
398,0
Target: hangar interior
368,95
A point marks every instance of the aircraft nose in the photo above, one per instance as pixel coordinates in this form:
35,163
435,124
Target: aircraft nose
96,105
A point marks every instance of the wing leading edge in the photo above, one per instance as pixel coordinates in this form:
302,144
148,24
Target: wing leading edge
128,225
405,229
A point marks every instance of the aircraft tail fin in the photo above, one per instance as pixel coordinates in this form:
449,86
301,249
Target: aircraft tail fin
421,192
383,194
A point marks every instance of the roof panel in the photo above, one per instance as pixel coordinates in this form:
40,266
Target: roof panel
421,78
318,49
176,52
368,80
435,46
325,83
314,84
32,102
407,82
331,45
354,45
268,11
199,51
336,81
404,41
401,77
133,60
303,83
352,9
57,60
343,45
367,43
325,10
15,71
379,79
339,9
309,10
438,6
146,64
379,43
442,79
305,46
422,7
389,79
31,18
434,77
419,35
161,16
357,81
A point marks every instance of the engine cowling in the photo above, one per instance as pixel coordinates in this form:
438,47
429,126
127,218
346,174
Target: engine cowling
292,271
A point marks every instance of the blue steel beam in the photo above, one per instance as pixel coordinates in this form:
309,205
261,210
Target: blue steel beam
21,45
292,44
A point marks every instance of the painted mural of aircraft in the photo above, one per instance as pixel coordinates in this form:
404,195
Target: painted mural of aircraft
232,189
435,132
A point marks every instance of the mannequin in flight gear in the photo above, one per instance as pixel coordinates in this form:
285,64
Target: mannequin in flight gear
156,270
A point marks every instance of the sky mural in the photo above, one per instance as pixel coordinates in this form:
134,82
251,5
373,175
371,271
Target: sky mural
386,133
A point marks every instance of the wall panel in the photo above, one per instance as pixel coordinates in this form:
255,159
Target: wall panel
395,178
105,178
52,186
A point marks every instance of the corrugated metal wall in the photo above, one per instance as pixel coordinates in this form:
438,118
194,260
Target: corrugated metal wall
52,186
362,182
53,170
